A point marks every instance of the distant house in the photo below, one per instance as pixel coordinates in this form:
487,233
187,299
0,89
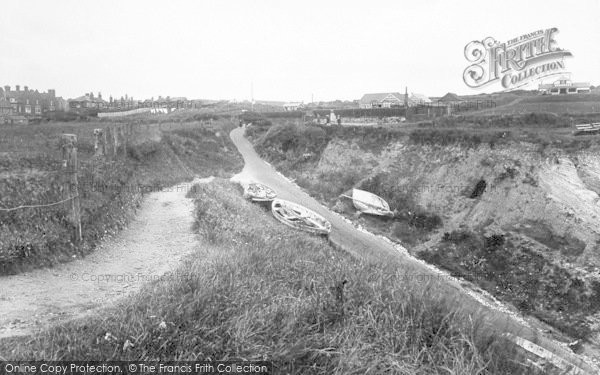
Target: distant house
5,111
88,101
382,100
564,86
293,106
450,98
418,99
32,102
5,108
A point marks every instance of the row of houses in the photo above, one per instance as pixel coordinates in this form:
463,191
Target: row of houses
91,102
24,105
18,105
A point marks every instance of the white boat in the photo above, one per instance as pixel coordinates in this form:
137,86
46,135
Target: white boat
370,203
259,192
300,217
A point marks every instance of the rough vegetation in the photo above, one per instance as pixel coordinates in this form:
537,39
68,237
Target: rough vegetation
110,188
507,269
526,197
258,290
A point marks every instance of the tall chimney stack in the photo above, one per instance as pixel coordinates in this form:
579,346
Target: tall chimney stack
99,95
26,88
7,88
18,87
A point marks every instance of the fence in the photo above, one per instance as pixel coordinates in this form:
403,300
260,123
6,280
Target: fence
123,113
109,142
363,112
473,105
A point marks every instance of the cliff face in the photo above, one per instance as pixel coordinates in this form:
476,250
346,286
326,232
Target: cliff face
537,194
521,221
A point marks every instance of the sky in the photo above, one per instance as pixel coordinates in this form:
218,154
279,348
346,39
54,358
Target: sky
273,50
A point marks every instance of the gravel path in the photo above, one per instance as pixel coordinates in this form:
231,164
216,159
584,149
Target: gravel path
153,243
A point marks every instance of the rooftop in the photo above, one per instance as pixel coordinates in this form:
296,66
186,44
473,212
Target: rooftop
377,97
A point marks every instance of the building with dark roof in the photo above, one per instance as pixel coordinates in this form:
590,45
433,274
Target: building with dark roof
5,107
88,101
31,103
450,98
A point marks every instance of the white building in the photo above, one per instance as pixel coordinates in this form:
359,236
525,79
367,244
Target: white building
418,99
293,106
382,100
564,86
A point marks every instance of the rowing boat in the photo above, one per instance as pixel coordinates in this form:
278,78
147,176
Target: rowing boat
370,203
299,217
259,192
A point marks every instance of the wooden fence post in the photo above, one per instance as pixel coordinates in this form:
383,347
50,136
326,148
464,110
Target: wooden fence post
124,136
99,142
104,139
70,186
115,134
109,142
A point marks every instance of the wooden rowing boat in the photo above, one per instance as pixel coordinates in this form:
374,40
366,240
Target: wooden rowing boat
370,203
300,217
259,192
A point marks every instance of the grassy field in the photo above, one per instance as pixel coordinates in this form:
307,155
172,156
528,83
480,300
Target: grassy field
558,104
258,290
110,188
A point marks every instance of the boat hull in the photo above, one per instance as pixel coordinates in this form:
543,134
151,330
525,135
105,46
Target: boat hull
259,193
370,203
299,217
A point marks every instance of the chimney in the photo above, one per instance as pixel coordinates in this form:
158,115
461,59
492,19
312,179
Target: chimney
18,87
91,95
52,93
26,88
99,95
7,89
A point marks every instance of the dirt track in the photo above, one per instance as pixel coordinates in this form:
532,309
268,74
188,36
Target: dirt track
154,243
372,248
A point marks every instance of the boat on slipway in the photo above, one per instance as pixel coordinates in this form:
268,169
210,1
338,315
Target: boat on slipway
370,203
259,193
300,217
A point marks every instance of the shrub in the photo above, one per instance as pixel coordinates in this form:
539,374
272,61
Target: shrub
143,151
478,190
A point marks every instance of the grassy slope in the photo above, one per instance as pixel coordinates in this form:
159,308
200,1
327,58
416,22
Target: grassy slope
110,189
576,104
259,290
504,269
